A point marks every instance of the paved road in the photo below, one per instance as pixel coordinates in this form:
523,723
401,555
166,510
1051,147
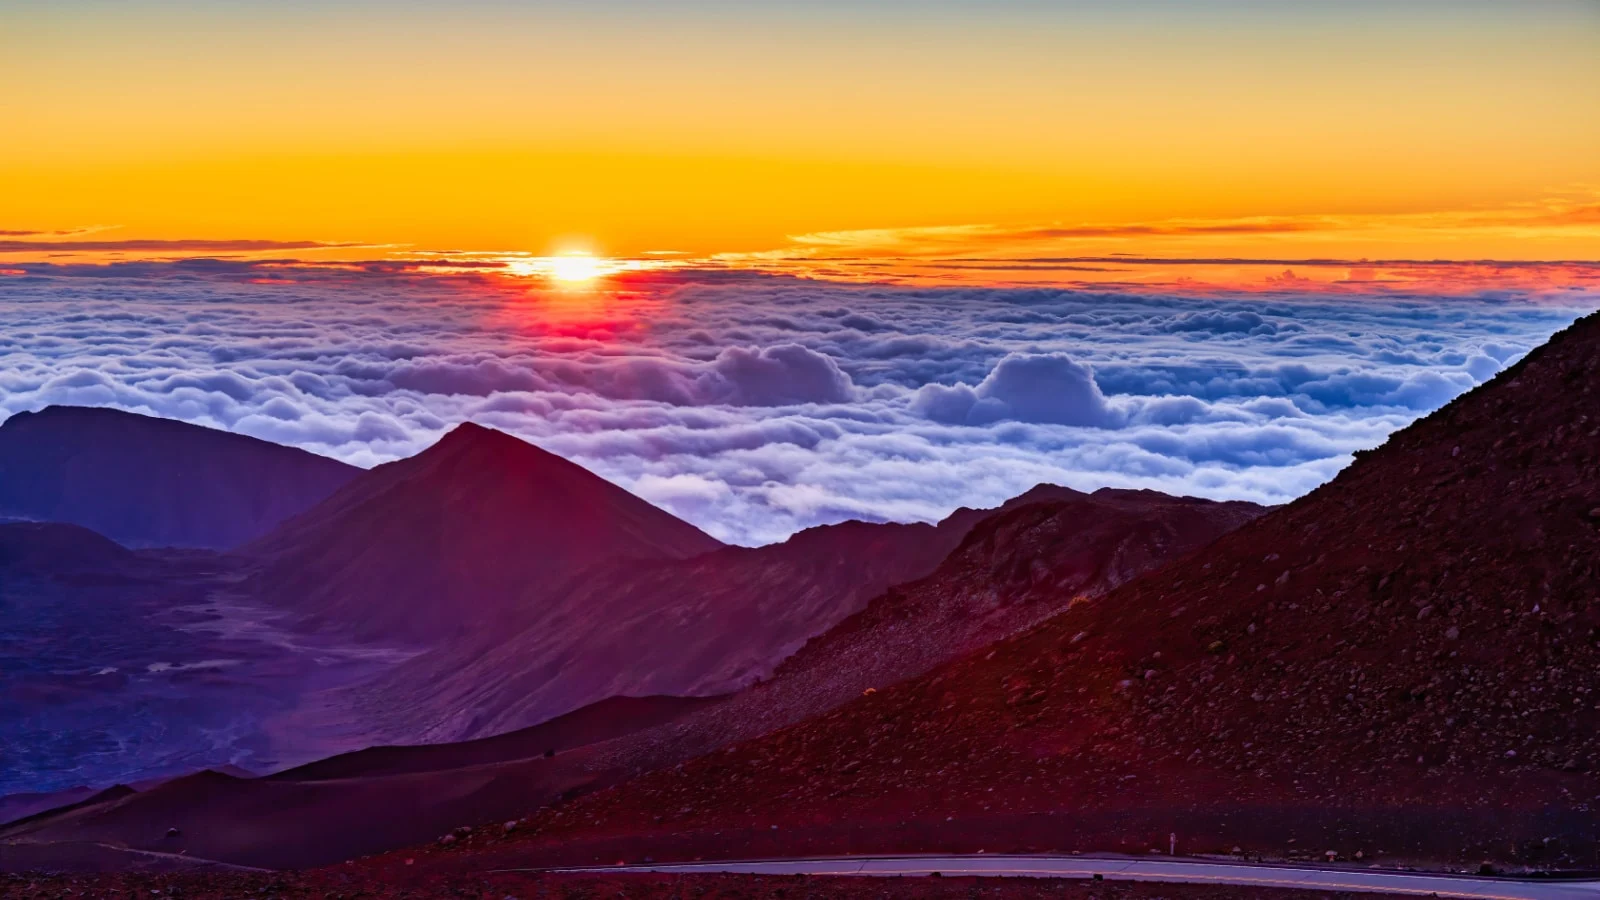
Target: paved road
1128,869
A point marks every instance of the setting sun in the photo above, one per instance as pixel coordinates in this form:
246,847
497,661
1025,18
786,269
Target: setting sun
573,268
570,268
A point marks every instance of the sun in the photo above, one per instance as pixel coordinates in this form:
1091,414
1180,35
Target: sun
573,268
577,269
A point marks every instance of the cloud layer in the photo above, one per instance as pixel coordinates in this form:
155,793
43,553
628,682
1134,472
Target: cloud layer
757,405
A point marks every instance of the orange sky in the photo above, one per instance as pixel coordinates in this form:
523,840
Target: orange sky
1461,131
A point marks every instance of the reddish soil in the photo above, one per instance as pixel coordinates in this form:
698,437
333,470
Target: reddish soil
1039,554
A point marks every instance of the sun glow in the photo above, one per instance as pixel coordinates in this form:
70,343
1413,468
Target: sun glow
574,268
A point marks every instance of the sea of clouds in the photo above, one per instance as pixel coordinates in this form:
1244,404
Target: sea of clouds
756,405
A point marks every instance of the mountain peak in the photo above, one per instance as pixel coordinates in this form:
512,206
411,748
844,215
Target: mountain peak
469,430
470,437
1045,492
450,538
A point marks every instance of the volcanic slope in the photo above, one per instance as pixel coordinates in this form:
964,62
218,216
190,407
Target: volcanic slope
449,542
1406,659
1039,554
696,627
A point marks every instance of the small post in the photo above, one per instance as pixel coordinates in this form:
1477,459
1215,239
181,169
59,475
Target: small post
1172,843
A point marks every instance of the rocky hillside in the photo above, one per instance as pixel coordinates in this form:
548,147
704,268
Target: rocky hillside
1407,658
1043,552
708,625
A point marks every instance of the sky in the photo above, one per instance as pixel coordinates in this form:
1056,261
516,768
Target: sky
773,265
1398,130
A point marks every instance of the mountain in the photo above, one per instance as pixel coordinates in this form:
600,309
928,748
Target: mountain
146,482
450,541
702,626
1405,662
1039,554
383,797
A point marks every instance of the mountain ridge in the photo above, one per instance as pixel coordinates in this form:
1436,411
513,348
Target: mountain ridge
146,481
701,626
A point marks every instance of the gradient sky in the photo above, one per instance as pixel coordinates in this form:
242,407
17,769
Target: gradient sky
869,259
1383,130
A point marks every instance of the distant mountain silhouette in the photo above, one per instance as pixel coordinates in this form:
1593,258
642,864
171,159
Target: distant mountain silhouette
146,482
451,541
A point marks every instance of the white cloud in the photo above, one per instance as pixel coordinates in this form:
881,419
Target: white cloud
754,405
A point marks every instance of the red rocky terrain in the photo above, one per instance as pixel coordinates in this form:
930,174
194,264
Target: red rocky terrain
1405,661
1042,552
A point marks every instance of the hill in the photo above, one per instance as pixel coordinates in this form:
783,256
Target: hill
702,626
452,540
149,482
